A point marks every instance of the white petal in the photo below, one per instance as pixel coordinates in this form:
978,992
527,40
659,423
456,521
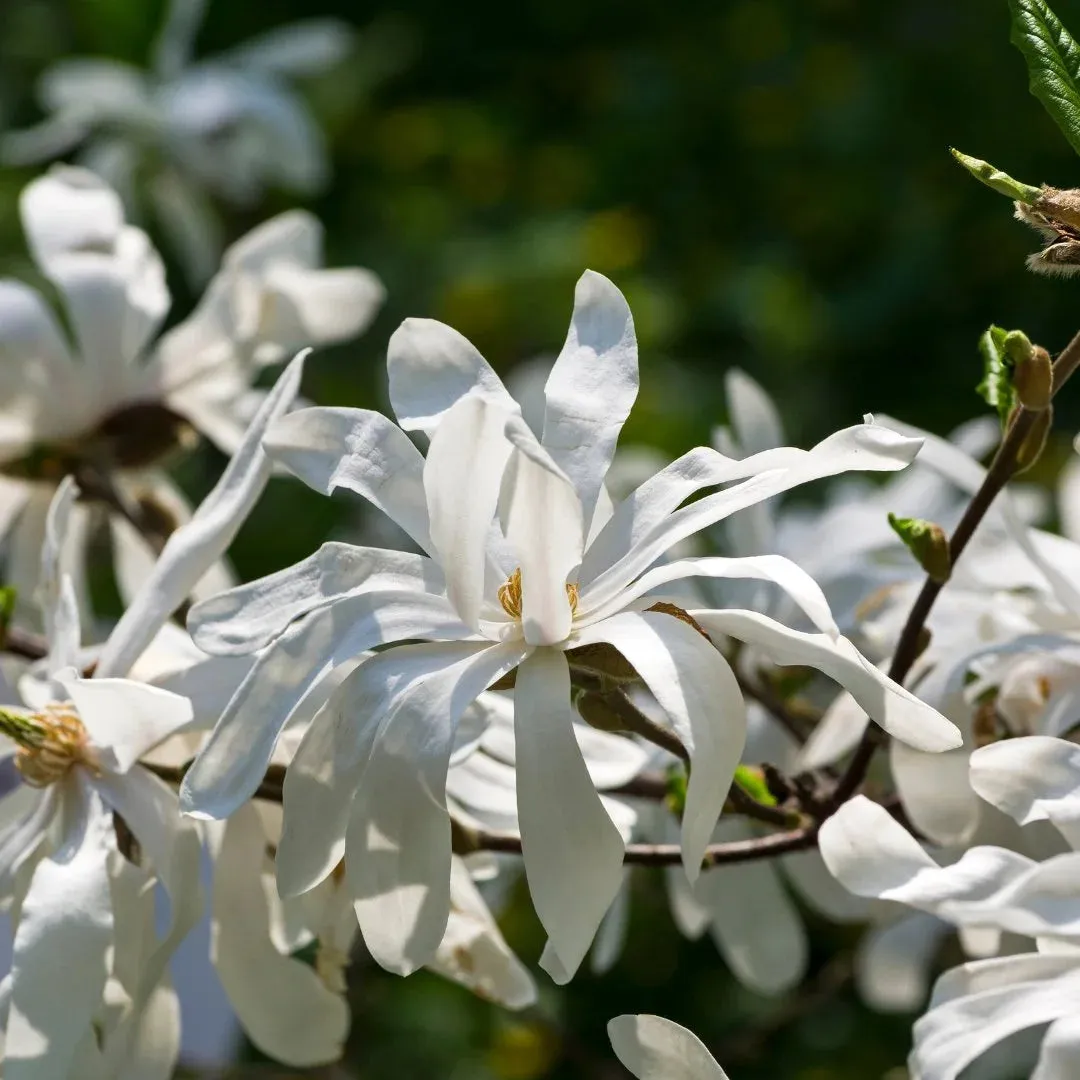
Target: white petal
397,854
1060,1055
473,951
935,791
542,520
837,733
754,416
696,687
468,453
573,853
775,568
649,512
193,548
250,616
592,387
69,210
755,924
653,1048
126,717
610,938
360,451
27,814
431,367
893,964
1032,779
282,1003
330,760
305,47
868,446
61,948
234,759
895,709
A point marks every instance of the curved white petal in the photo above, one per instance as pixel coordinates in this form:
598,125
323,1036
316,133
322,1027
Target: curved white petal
592,387
462,475
250,616
573,853
431,367
653,1048
234,759
358,450
304,47
935,792
61,948
696,687
755,419
27,813
898,711
790,577
1032,779
837,733
893,964
193,548
69,210
397,847
1059,1058
281,1002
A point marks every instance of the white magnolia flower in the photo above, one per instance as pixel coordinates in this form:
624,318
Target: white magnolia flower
229,126
653,1048
526,566
110,400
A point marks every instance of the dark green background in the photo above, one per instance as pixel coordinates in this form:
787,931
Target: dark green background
769,182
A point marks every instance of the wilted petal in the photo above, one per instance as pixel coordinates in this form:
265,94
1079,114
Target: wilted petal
193,548
573,852
653,1048
697,689
282,1003
592,387
397,855
250,616
358,450
234,759
462,474
898,711
1032,779
61,947
432,367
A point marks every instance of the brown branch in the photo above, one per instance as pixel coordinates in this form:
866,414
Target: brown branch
796,722
270,789
97,484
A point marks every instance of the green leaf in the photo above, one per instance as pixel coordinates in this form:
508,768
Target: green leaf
1053,62
8,596
676,790
996,387
752,781
1001,182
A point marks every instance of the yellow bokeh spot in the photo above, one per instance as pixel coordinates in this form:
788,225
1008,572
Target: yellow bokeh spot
522,1052
614,239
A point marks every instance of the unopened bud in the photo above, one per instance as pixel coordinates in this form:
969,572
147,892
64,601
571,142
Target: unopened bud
928,543
1032,447
1033,379
1058,205
994,178
1017,346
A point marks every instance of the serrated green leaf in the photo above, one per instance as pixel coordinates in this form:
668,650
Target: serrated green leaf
753,783
996,387
1053,62
994,178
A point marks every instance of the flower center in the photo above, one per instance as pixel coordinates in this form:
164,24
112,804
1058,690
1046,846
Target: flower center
50,743
510,595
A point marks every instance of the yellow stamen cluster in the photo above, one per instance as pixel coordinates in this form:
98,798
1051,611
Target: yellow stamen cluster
510,595
50,743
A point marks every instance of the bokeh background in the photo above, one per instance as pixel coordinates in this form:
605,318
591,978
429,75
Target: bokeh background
769,183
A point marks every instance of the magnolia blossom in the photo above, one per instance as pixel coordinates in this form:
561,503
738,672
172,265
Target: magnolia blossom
228,126
528,570
653,1048
109,403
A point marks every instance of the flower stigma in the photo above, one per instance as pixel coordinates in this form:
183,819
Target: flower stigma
510,595
50,742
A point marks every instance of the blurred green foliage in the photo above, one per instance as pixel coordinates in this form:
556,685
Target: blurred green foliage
769,182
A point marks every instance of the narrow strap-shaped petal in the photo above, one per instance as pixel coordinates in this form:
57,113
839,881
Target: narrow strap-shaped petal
232,763
789,576
695,686
462,475
431,367
592,387
397,848
282,1004
573,852
542,520
193,548
888,704
61,946
653,1048
361,451
755,420
250,616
